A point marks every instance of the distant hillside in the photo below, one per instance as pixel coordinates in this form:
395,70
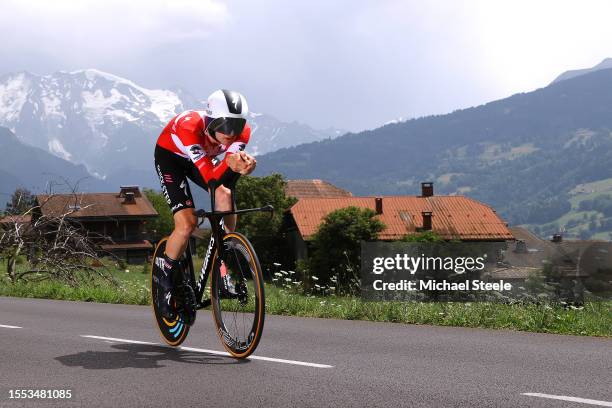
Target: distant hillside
522,155
33,168
605,64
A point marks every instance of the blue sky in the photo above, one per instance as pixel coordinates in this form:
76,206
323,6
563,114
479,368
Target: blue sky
349,64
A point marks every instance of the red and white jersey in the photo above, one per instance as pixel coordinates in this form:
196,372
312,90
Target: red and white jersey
184,136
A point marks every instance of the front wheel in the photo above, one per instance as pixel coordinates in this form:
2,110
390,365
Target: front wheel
239,314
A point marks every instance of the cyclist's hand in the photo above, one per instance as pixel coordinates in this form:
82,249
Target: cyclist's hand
250,161
242,163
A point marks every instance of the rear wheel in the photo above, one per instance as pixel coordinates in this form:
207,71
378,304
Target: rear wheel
239,317
173,332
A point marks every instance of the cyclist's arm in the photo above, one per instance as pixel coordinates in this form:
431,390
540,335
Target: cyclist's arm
185,137
211,172
187,140
229,166
237,158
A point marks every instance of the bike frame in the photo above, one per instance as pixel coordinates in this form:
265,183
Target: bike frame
216,238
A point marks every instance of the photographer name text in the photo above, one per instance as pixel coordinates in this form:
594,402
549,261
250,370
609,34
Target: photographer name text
443,285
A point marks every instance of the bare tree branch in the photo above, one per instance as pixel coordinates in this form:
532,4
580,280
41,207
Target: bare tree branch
56,244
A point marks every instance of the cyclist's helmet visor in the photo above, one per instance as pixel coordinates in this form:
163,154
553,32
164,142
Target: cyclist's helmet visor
227,126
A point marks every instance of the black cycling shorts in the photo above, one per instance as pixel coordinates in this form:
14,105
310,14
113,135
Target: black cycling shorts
173,172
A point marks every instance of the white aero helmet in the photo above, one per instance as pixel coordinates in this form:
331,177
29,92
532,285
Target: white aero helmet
226,112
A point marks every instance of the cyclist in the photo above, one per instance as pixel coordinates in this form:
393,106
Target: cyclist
187,149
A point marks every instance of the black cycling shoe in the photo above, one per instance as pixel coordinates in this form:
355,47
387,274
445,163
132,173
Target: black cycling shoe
165,305
163,278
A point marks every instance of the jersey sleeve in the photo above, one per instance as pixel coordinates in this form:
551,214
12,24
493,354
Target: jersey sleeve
211,172
185,134
188,140
241,142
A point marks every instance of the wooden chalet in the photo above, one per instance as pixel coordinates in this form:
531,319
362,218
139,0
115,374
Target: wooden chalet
122,217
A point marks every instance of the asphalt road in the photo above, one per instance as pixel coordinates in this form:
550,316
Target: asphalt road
300,362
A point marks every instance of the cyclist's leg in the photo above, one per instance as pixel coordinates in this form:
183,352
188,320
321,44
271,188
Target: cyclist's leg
171,170
223,198
223,202
228,182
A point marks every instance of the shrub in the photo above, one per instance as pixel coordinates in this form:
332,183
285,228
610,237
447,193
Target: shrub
335,248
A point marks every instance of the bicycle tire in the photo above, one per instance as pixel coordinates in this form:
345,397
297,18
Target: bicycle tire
172,332
240,253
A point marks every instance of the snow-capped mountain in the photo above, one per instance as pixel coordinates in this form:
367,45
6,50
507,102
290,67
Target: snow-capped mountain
110,124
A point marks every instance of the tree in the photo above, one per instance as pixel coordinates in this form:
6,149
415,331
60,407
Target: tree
264,231
21,201
57,246
164,224
335,248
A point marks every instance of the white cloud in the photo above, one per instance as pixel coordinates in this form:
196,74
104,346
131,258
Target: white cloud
525,44
351,63
106,29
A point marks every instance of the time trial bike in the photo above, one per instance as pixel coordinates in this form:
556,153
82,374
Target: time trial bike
239,313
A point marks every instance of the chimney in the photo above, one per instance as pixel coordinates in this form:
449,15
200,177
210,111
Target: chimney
426,220
130,189
129,198
378,202
557,238
521,247
426,189
129,194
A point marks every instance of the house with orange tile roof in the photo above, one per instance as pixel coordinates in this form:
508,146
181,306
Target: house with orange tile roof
451,217
314,188
122,217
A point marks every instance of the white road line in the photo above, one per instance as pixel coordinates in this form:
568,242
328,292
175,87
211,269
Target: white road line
10,327
120,340
276,360
572,399
219,353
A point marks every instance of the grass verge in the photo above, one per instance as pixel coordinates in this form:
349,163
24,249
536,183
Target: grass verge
594,319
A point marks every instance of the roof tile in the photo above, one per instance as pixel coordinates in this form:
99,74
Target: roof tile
452,216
